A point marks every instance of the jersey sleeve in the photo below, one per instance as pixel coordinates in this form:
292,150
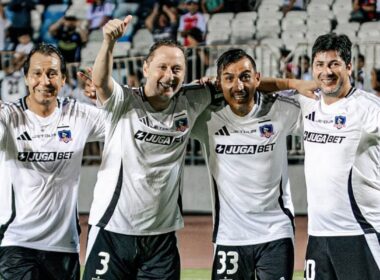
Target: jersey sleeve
370,105
198,96
2,126
96,119
200,131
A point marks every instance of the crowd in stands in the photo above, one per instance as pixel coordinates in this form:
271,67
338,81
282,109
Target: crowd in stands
75,24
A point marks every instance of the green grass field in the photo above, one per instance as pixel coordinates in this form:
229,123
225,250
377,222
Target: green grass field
205,274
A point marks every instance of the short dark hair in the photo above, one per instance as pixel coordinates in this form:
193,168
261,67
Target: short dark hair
333,42
377,73
232,56
164,43
46,49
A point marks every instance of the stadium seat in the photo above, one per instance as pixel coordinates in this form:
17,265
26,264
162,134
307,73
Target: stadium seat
124,9
320,10
142,41
293,24
217,38
292,39
246,16
323,2
222,16
96,36
219,26
89,52
121,49
296,14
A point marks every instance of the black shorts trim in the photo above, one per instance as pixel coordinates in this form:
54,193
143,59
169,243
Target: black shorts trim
4,227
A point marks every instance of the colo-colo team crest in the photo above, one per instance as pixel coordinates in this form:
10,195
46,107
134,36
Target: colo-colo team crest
266,130
65,135
339,122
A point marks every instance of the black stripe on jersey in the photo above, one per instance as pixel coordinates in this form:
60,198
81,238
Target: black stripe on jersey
179,201
141,92
223,131
311,116
350,92
217,212
77,220
23,103
263,121
364,224
258,98
289,100
284,209
5,226
24,136
115,198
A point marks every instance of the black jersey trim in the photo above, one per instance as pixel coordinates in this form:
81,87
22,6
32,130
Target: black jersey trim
24,106
179,200
4,227
286,211
77,221
364,224
115,198
350,92
141,92
217,212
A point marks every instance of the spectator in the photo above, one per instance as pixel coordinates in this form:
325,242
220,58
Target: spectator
23,48
99,13
191,19
4,25
363,10
359,81
70,36
197,57
292,5
162,22
20,17
375,80
212,6
12,86
303,68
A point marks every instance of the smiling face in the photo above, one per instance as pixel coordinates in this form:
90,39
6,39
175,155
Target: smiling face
239,81
44,79
164,72
332,74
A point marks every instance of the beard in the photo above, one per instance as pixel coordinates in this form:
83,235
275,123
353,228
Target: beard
335,92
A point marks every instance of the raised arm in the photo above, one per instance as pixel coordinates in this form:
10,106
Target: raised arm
305,88
101,74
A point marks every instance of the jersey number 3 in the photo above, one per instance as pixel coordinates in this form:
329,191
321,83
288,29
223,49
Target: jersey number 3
104,260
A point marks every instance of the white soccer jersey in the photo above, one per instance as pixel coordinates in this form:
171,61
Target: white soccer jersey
247,160
44,157
342,164
138,185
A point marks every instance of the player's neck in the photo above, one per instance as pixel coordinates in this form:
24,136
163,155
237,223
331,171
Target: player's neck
42,110
158,103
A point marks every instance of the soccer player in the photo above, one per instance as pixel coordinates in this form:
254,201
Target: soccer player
342,159
245,147
342,144
137,198
42,138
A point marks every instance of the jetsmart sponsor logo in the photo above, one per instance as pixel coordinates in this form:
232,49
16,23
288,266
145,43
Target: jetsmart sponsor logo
322,138
43,156
243,149
155,138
